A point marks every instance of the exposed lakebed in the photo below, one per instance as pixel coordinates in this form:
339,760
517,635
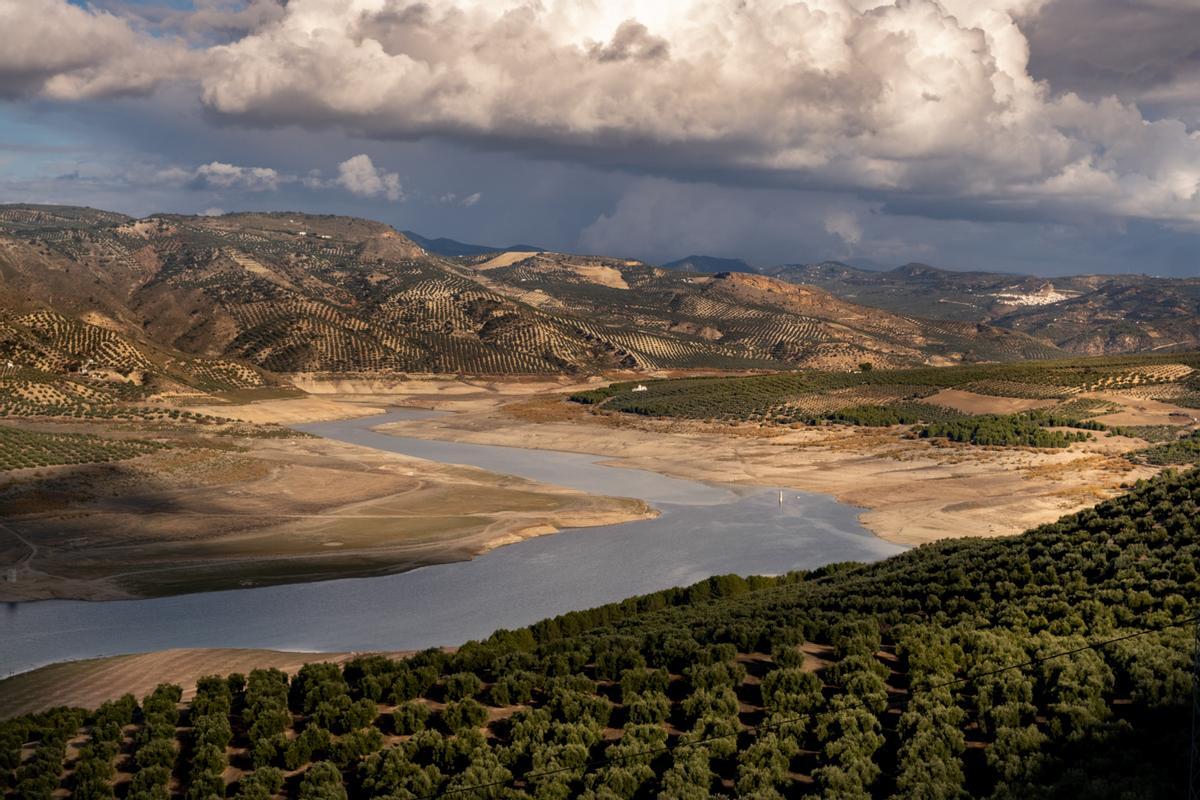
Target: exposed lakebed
702,530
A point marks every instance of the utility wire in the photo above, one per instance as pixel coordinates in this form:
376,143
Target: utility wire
755,730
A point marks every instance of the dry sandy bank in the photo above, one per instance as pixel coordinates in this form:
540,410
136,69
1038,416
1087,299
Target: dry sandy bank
912,491
270,511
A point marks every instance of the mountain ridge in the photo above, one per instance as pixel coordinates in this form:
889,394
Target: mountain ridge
286,292
1082,314
452,248
709,264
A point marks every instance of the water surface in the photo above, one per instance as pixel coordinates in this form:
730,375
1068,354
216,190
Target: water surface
703,530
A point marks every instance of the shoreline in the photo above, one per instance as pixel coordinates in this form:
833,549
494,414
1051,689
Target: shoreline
317,510
909,492
904,492
836,463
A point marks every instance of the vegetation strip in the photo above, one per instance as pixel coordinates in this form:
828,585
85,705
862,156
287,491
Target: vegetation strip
25,448
753,731
881,398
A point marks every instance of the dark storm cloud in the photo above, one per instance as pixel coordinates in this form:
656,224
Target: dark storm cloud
1146,51
870,129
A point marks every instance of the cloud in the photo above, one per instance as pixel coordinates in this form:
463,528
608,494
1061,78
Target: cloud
845,226
224,19
359,176
63,52
1143,51
880,98
912,99
218,175
632,41
471,199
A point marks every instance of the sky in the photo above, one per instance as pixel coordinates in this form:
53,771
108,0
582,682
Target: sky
1035,136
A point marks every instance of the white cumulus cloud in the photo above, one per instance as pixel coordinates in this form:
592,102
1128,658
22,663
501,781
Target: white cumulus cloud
58,50
925,102
230,176
913,97
359,176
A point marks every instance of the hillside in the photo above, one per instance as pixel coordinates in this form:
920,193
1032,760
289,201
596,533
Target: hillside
1143,315
1084,314
738,320
1052,664
290,293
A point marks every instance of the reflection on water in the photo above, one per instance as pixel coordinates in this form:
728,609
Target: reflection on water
703,530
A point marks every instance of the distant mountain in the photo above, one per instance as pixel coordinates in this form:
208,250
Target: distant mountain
451,248
1122,316
1093,314
709,265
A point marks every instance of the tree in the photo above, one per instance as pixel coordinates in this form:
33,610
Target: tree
791,690
462,685
463,715
410,717
931,745
322,781
689,777
262,784
650,707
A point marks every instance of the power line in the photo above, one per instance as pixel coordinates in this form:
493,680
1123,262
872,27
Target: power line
755,730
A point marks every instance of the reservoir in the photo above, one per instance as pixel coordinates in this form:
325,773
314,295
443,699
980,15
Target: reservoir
702,530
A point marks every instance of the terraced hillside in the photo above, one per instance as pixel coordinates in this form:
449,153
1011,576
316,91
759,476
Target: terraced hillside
53,365
23,449
290,293
1053,664
1084,314
694,321
1075,388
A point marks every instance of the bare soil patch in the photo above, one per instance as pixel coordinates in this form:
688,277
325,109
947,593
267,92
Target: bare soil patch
1144,411
971,403
505,260
90,682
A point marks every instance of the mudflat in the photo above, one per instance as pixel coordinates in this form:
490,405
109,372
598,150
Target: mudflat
265,511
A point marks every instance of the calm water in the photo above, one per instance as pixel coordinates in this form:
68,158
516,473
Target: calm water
703,530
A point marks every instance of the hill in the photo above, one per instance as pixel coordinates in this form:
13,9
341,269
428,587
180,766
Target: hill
1084,314
734,320
452,248
1146,314
709,265
284,293
1052,664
